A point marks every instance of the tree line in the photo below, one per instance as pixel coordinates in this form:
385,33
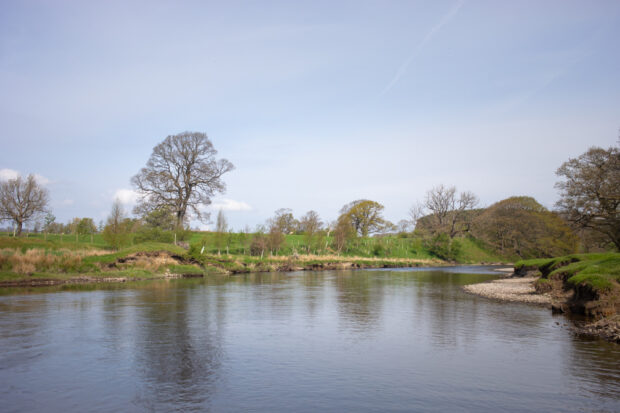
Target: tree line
183,174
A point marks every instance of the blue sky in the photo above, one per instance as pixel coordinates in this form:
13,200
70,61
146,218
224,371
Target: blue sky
316,103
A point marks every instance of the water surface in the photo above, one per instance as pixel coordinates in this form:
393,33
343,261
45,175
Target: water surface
341,341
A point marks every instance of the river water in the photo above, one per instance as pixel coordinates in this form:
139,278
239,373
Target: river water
336,341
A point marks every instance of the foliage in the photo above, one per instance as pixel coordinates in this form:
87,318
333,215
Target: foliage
343,233
444,247
521,227
284,221
154,234
365,217
162,218
86,226
590,192
310,224
259,244
116,231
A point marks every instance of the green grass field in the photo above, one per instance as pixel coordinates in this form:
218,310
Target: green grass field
471,251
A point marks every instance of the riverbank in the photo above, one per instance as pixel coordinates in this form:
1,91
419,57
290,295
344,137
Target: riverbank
159,261
583,284
519,290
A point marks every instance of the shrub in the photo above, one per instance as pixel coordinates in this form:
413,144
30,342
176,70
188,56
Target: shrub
154,234
443,247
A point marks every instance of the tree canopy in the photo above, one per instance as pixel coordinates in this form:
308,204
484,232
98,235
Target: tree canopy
22,200
365,217
521,227
590,192
181,173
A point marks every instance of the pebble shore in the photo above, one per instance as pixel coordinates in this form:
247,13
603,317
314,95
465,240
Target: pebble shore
519,290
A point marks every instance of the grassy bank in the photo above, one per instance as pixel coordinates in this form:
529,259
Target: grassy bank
582,283
471,251
33,261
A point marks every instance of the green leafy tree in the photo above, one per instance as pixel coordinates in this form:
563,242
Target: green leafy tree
162,218
365,217
343,233
590,192
521,227
86,226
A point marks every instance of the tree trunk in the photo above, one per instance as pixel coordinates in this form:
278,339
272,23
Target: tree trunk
19,228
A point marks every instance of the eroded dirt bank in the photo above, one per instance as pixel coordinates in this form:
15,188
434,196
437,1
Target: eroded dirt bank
521,286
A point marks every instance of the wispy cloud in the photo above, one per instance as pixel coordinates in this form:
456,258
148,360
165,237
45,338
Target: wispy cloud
403,68
230,205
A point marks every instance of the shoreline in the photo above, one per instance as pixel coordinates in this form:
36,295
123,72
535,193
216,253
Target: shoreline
284,267
514,290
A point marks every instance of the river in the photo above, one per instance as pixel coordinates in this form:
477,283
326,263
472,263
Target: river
333,341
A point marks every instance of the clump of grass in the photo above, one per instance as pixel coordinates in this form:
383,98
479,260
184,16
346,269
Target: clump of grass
31,260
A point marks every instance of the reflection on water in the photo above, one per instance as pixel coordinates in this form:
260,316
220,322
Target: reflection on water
376,340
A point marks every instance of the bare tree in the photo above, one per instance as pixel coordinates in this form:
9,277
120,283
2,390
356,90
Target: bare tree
181,173
416,212
116,231
22,200
447,209
440,201
467,200
221,226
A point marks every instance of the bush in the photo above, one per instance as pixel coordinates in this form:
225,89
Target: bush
154,234
443,247
378,250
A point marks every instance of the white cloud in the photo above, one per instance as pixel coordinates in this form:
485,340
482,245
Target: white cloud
126,196
229,205
41,179
6,174
67,202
